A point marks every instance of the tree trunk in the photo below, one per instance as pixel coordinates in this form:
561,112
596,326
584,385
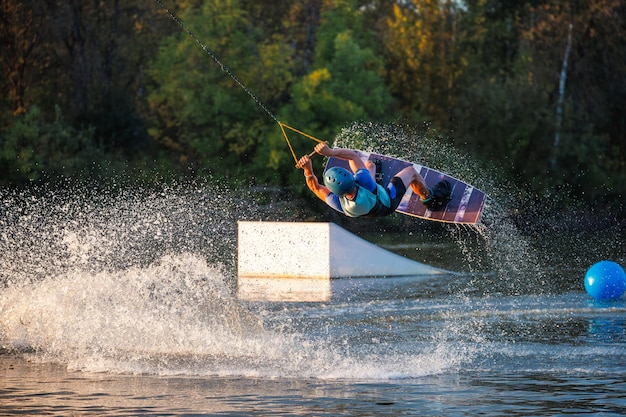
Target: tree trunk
559,106
76,46
19,36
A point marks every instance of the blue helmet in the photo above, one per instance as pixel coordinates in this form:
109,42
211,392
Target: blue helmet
339,180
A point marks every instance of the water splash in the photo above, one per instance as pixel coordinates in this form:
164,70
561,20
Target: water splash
177,317
495,246
110,272
141,280
47,231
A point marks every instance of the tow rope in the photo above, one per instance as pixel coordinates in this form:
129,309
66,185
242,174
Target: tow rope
224,68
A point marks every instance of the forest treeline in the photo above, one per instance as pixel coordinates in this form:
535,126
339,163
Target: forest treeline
538,88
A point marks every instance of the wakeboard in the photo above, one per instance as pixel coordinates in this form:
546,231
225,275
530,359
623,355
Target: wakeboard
467,201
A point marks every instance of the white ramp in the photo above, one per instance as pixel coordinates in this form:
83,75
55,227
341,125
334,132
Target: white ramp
316,251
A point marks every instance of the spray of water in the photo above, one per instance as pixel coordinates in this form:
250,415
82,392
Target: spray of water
141,280
135,279
524,244
495,246
97,272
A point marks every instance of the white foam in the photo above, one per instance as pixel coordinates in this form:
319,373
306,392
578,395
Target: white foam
142,282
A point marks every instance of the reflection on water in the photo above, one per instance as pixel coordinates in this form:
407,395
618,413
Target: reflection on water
284,289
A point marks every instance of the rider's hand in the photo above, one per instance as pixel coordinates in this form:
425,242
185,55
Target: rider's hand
305,164
323,149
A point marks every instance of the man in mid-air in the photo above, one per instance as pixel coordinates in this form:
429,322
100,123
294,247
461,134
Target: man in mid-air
355,192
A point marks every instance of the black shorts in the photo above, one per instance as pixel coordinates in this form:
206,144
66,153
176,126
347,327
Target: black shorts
400,191
380,209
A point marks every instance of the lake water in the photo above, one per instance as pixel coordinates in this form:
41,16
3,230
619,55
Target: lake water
123,304
417,355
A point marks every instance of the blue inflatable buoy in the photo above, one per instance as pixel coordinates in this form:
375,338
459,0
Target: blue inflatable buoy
605,280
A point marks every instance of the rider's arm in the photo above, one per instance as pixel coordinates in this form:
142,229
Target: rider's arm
311,180
351,156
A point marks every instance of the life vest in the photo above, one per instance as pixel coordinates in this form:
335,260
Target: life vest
367,203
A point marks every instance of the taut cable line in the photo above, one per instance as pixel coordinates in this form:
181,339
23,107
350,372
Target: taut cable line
227,70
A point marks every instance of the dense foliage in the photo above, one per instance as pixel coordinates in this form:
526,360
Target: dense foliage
536,87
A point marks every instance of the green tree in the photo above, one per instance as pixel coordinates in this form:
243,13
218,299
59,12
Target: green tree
83,59
32,148
508,103
422,58
96,52
21,35
345,84
197,110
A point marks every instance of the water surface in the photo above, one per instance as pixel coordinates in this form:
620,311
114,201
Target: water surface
123,303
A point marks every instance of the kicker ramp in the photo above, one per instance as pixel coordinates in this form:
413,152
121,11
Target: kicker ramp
316,251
